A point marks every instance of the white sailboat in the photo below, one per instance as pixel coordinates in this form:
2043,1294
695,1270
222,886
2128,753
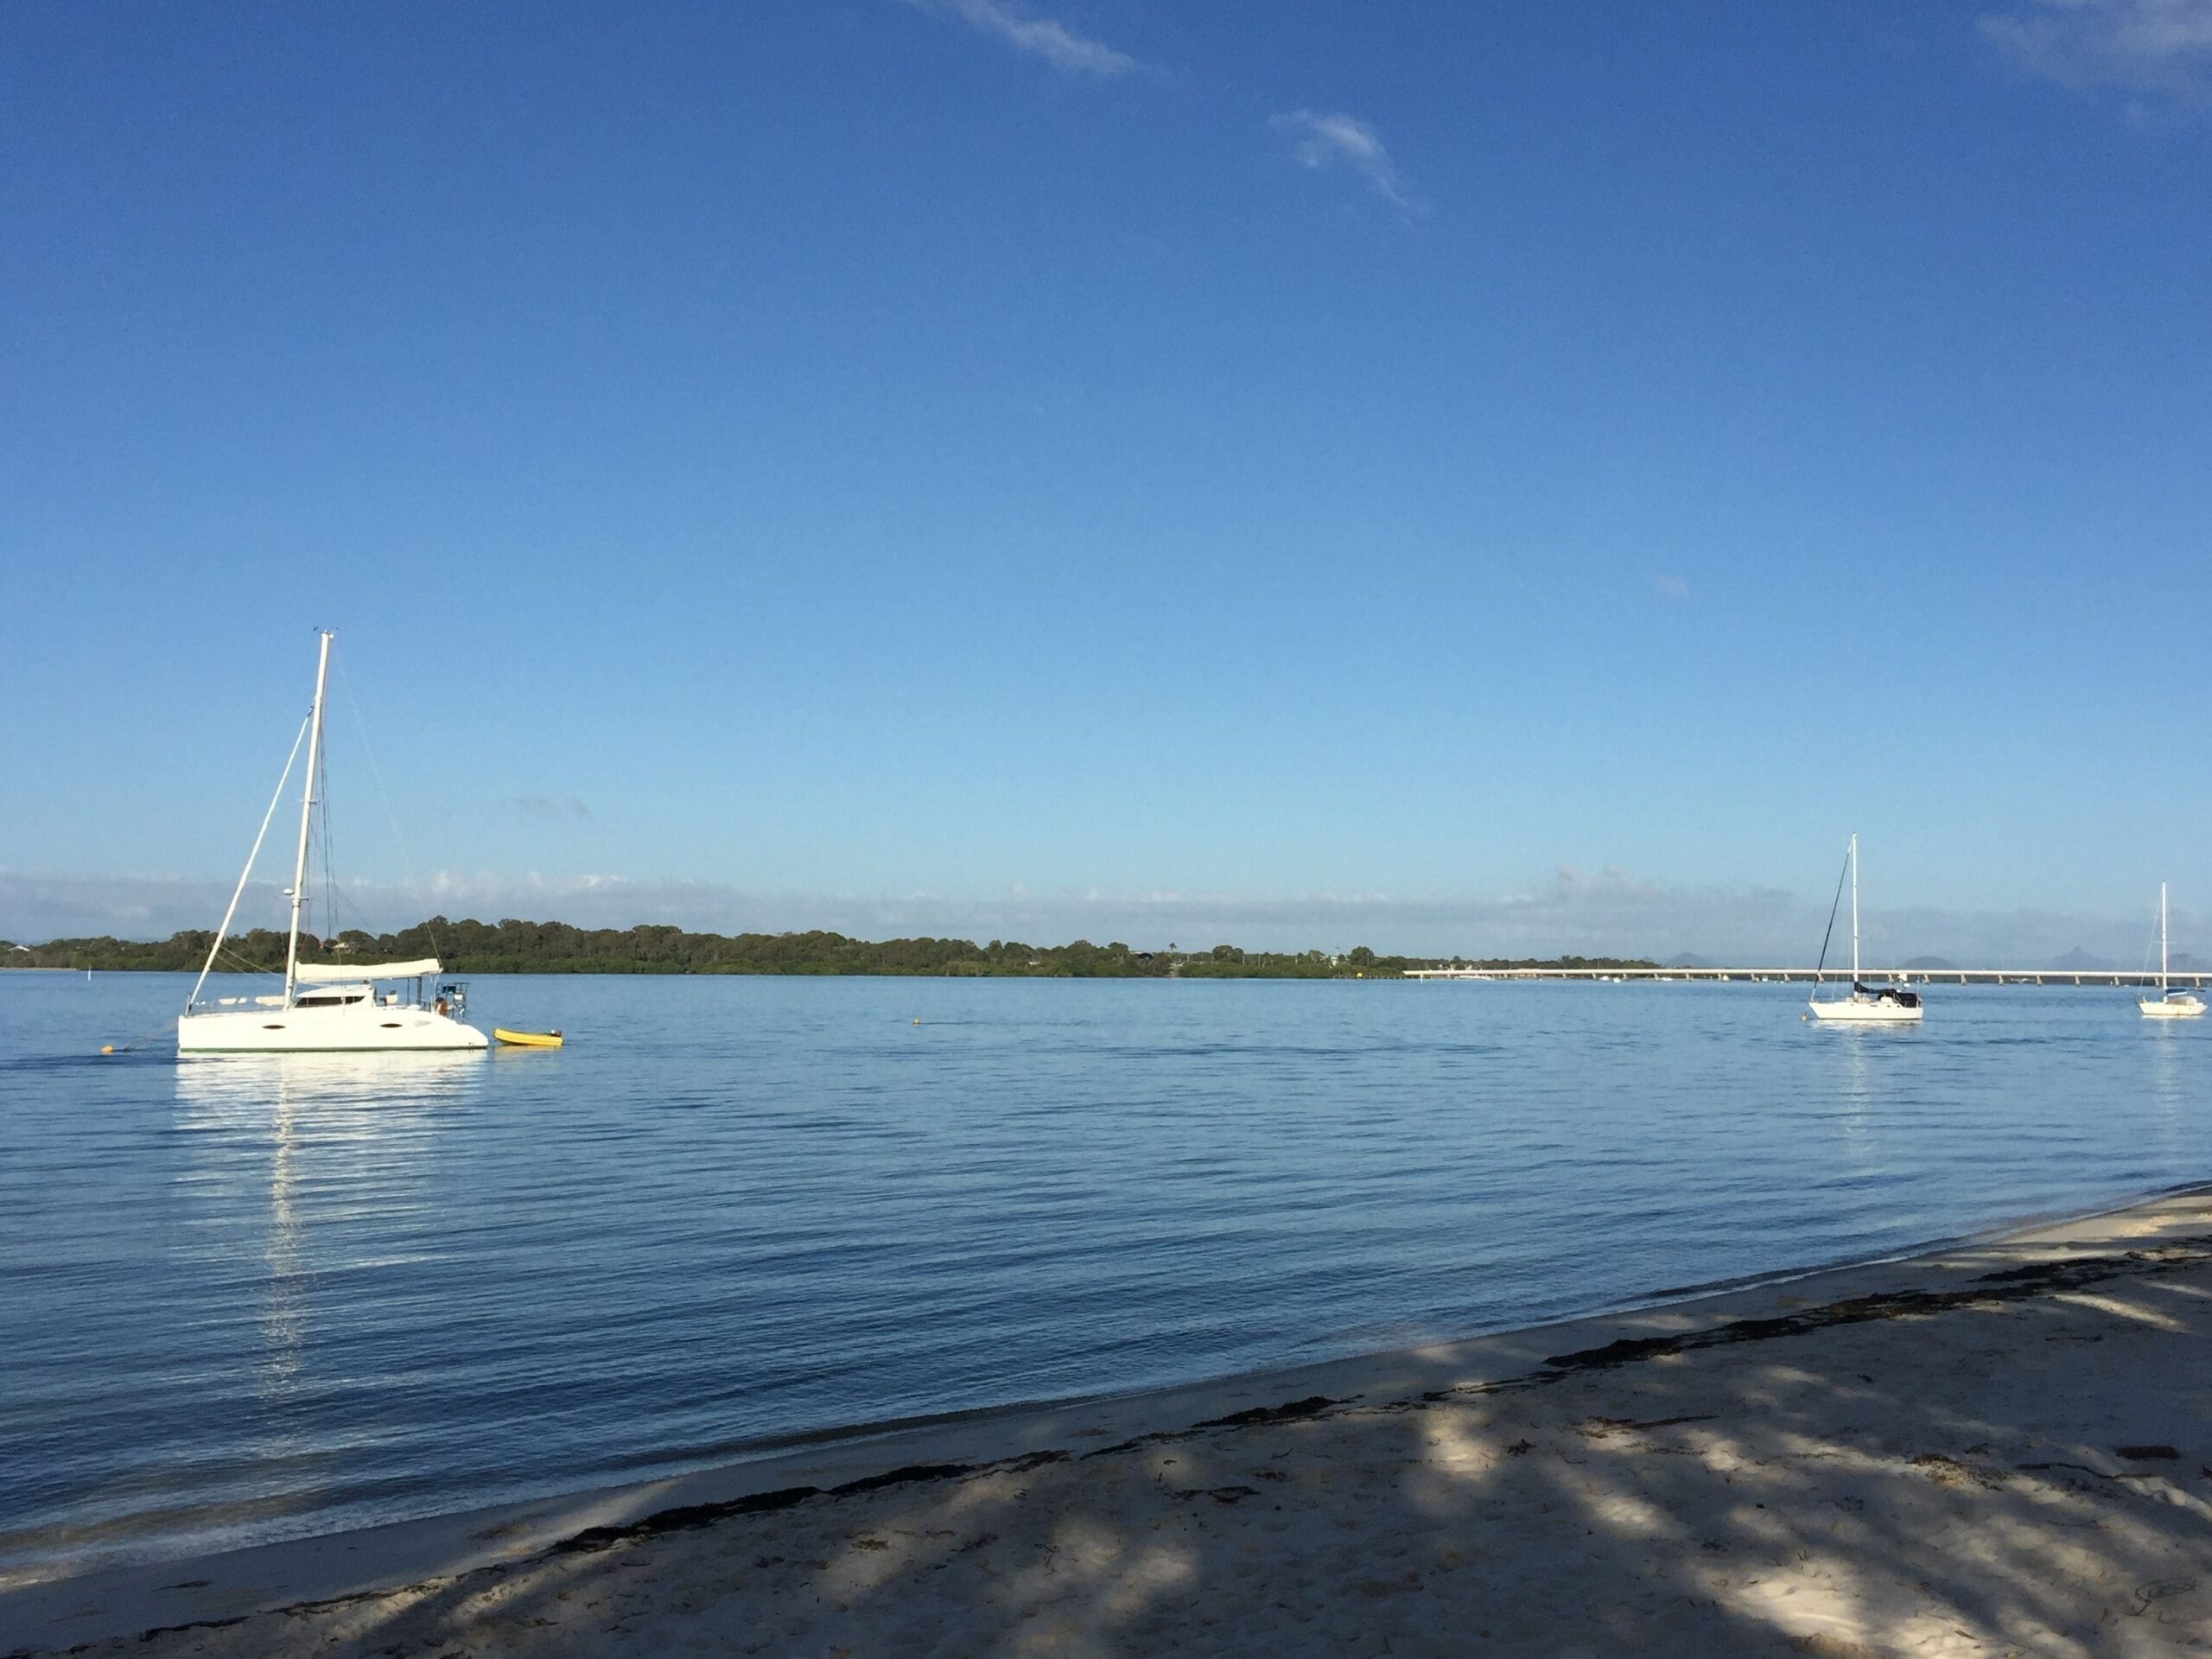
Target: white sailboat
1881,1005
2169,1004
323,1008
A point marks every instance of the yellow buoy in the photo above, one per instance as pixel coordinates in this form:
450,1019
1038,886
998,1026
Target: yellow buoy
527,1038
107,1048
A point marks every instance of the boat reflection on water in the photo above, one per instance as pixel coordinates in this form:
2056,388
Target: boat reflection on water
355,1093
338,1139
1857,1107
2170,1091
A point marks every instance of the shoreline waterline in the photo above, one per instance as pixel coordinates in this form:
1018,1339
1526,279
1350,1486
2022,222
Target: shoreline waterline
773,1450
114,1601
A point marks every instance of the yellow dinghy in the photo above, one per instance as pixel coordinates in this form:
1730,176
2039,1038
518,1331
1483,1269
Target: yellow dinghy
527,1038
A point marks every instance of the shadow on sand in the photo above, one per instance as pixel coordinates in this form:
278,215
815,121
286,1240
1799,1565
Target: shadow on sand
2001,1459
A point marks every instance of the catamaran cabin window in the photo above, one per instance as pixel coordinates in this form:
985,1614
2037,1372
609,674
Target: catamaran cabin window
327,1001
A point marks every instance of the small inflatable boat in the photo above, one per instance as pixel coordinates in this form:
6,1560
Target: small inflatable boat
527,1038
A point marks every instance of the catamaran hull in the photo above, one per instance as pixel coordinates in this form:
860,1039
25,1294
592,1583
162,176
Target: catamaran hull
353,1030
1848,1012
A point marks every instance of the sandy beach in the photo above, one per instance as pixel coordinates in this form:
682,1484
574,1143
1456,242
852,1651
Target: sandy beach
2004,1447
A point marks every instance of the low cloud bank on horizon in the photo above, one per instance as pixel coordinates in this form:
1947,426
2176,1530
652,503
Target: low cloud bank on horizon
1574,913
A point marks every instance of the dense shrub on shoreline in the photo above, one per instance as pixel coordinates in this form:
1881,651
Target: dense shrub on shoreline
520,947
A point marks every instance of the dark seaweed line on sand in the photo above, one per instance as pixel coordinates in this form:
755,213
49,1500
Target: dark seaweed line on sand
2007,1285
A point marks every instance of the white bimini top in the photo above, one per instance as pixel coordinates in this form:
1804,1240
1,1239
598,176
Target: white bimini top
353,973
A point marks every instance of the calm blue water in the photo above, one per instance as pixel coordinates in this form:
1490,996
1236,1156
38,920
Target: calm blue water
244,1298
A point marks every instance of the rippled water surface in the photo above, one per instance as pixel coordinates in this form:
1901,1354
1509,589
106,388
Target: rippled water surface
242,1298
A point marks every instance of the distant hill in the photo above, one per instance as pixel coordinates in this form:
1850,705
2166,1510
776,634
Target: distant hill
2078,961
1938,965
1686,960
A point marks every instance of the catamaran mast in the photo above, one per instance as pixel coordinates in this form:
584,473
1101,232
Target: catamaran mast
1854,912
307,813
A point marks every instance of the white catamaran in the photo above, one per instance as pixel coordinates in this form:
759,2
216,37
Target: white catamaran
1881,1005
2169,1004
345,1006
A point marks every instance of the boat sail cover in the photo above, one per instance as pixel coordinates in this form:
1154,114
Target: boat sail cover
333,973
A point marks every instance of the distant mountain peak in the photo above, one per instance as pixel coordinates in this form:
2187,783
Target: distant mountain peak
2078,961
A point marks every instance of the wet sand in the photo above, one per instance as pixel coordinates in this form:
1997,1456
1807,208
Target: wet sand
2000,1447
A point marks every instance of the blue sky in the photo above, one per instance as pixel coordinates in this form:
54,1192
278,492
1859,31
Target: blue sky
1460,476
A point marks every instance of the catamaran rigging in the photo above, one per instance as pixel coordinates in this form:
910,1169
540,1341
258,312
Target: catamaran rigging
351,1007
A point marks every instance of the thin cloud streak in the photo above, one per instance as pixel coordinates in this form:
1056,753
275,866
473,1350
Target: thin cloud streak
1039,37
1318,140
2163,46
551,806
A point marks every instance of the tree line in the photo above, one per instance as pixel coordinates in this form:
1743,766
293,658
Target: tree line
520,947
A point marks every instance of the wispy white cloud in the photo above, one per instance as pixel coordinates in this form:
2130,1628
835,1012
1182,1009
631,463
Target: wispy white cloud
1040,37
552,806
2163,46
1671,586
1318,140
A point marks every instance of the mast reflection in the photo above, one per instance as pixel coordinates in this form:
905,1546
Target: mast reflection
338,1131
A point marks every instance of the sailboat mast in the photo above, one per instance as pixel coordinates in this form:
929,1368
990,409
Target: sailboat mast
2162,938
1854,912
307,813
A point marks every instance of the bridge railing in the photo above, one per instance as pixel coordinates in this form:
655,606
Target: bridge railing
2104,977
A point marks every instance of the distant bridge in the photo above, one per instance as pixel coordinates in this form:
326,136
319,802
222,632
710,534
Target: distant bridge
1898,976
